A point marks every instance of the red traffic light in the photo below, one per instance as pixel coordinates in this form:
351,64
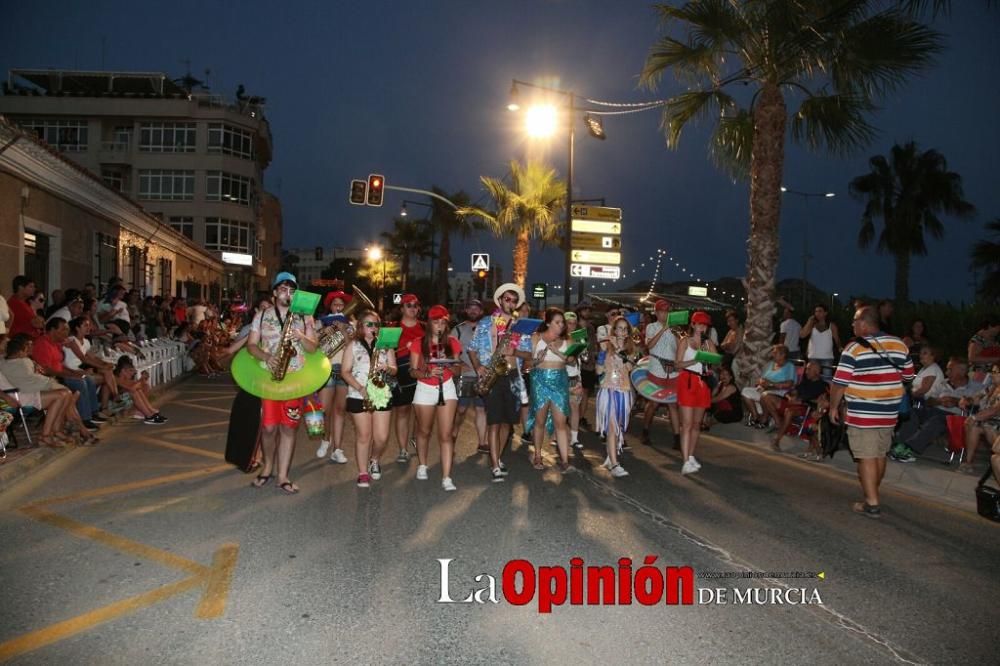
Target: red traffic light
376,188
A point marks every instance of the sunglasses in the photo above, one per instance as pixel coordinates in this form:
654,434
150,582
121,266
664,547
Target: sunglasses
372,324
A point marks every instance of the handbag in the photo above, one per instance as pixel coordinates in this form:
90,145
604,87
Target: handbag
987,498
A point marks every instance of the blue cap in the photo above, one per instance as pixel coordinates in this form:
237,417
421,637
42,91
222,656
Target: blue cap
284,276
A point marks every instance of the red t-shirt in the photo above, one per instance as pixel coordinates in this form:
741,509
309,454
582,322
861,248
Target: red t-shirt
416,347
47,354
410,333
21,315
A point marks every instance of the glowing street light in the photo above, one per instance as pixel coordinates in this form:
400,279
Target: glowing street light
540,121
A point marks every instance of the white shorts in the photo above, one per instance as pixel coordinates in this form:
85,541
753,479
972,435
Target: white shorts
428,395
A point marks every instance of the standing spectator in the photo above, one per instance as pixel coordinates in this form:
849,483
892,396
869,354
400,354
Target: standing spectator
733,341
22,316
789,333
869,379
196,313
916,339
824,339
885,316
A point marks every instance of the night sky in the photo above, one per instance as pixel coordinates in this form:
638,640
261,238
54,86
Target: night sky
418,90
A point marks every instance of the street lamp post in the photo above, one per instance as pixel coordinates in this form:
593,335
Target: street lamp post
805,232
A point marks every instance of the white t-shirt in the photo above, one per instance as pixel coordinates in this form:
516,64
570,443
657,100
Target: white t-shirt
791,329
62,312
196,313
932,370
943,389
665,347
119,310
70,359
821,343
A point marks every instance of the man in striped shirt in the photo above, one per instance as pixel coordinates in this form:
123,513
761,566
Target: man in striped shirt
869,379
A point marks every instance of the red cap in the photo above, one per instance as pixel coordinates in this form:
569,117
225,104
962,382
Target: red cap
662,304
336,294
409,298
701,318
438,312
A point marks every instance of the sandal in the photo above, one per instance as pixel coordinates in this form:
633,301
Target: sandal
537,463
867,510
261,480
51,441
288,487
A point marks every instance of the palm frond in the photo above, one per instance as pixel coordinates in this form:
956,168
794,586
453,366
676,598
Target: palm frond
732,144
836,122
687,106
691,61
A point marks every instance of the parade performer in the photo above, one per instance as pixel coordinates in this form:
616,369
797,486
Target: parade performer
406,386
433,360
493,356
662,345
614,397
468,398
364,368
334,394
693,393
550,388
577,393
280,418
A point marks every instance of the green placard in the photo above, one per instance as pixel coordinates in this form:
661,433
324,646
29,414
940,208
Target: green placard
304,302
708,357
678,318
538,290
578,342
388,338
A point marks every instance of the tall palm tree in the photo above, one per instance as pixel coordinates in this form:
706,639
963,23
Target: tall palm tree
986,255
446,219
528,209
407,239
908,191
816,65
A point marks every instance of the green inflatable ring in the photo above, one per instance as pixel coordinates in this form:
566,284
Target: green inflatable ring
254,378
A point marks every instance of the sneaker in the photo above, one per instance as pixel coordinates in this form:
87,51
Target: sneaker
902,453
159,418
483,448
97,418
503,469
374,470
324,447
554,444
688,468
607,463
152,420
578,446
364,481
338,457
447,484
92,426
498,475
618,472
421,472
694,462
403,456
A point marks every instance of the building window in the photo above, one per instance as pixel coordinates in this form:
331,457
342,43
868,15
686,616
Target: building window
224,186
66,135
167,137
229,235
116,179
135,267
166,276
230,140
105,259
183,225
166,185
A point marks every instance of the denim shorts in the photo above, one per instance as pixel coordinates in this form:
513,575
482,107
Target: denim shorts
335,379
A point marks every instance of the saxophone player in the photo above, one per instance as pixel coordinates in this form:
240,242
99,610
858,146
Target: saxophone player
503,401
280,418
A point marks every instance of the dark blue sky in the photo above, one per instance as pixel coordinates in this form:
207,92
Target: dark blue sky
417,91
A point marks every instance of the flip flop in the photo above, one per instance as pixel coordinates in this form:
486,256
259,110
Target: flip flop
261,480
288,487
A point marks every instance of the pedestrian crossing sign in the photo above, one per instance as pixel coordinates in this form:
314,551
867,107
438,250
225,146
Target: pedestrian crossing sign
480,261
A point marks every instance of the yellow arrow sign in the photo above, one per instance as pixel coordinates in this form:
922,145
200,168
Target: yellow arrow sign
595,227
821,575
592,257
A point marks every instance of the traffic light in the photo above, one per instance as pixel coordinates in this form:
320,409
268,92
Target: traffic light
376,188
359,192
481,274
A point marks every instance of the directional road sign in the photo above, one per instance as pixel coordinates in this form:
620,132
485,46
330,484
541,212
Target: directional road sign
596,213
480,261
595,242
596,227
595,271
596,257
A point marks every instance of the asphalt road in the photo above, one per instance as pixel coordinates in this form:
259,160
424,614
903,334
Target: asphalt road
148,549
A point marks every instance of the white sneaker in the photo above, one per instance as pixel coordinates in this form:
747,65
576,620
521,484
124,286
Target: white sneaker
374,470
694,462
421,472
688,467
618,471
324,446
607,463
338,456
447,485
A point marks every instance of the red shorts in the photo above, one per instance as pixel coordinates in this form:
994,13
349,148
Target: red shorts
797,409
281,412
692,391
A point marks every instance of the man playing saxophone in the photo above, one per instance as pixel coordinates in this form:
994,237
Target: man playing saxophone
280,418
493,356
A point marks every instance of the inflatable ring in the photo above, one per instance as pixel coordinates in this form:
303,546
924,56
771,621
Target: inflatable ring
650,387
254,377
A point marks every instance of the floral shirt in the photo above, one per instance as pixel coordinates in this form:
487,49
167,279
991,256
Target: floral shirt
268,324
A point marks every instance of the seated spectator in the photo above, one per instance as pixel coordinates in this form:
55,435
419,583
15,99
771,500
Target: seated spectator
78,355
726,405
929,422
776,380
41,392
114,306
808,395
928,377
71,308
984,424
48,353
916,339
138,390
984,348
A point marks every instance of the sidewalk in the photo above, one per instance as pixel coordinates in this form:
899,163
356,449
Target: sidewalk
928,477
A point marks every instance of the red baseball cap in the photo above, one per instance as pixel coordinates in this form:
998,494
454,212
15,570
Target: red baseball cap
662,304
409,298
438,312
701,318
336,294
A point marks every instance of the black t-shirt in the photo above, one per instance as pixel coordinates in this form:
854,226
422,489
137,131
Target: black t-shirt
810,390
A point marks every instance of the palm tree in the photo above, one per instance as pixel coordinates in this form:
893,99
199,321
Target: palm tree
907,191
527,209
986,255
447,220
407,239
830,60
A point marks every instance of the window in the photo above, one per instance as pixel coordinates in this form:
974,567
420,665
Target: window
105,259
115,179
166,275
224,186
66,135
135,268
230,140
184,225
167,137
229,235
166,185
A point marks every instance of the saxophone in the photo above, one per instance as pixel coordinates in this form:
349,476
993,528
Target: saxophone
376,378
285,353
499,366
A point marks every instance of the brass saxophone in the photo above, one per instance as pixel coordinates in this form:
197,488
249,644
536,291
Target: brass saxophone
499,366
375,378
285,353
331,338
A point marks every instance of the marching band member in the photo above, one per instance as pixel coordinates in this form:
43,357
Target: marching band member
550,387
614,397
693,394
334,394
577,394
662,345
280,418
435,398
402,396
362,363
467,396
